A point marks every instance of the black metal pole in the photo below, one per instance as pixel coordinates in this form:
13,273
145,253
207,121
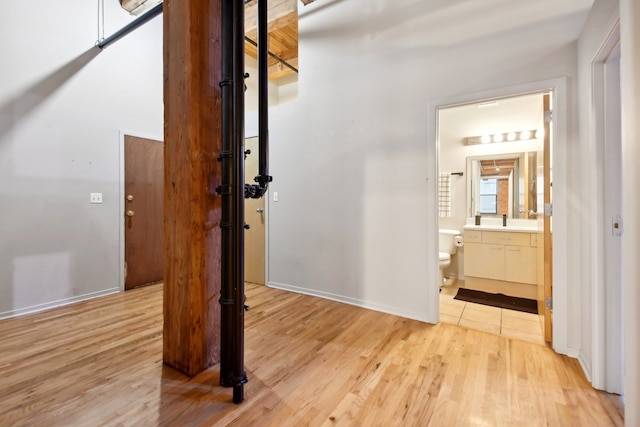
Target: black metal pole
152,13
263,178
263,96
227,268
239,375
232,298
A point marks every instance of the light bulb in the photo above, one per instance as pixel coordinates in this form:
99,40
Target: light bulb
525,134
511,136
498,137
485,139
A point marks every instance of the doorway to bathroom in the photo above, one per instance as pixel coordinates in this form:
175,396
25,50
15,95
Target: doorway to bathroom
494,163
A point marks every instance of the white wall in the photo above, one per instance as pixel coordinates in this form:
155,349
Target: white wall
62,106
350,157
598,25
282,90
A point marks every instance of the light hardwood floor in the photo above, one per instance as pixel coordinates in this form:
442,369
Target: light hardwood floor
310,362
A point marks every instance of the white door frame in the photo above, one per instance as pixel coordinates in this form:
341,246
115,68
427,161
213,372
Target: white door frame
607,371
560,134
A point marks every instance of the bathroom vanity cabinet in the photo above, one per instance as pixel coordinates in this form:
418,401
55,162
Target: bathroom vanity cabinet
501,261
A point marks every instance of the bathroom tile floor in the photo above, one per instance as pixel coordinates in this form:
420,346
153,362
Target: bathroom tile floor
495,320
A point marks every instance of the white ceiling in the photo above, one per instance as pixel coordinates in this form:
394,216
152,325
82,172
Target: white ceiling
506,115
446,22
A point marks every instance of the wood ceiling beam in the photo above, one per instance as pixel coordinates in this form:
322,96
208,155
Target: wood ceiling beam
282,18
273,25
136,7
129,4
278,69
281,13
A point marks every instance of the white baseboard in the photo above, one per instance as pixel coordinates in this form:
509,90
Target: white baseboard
586,368
58,303
351,301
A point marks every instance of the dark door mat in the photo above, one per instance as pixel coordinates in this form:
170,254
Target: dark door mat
525,305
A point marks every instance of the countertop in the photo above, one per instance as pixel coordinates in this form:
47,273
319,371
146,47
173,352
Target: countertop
492,227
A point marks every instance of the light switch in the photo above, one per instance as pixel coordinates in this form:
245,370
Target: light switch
95,198
275,196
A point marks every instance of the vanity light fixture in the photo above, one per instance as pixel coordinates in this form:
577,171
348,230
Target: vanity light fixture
524,135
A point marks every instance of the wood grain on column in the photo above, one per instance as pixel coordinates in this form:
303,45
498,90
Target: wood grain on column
192,209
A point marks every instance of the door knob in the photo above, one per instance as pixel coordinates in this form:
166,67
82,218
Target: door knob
130,213
259,210
130,197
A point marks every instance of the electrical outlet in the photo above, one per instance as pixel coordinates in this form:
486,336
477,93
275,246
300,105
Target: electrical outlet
95,198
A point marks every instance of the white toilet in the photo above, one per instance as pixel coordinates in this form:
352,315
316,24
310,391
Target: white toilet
449,241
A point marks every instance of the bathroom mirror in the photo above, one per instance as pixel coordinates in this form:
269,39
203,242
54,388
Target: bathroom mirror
503,184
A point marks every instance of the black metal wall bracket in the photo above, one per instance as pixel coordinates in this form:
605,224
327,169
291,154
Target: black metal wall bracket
253,191
263,179
224,189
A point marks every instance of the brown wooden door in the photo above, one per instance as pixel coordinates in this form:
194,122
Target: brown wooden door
143,177
254,237
548,247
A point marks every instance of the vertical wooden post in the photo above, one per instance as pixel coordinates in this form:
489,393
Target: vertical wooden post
192,209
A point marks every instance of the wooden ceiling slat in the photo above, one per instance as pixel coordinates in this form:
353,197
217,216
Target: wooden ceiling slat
283,42
488,168
278,10
283,34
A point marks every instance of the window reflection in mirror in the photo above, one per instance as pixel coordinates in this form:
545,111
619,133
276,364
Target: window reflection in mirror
503,184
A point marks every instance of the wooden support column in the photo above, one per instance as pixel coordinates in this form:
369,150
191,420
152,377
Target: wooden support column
192,172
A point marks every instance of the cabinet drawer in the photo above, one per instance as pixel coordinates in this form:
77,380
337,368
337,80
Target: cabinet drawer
473,236
506,238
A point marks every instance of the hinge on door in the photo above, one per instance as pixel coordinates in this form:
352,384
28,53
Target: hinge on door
548,116
548,209
548,303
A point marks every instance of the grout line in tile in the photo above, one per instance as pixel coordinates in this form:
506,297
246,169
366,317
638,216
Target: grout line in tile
502,313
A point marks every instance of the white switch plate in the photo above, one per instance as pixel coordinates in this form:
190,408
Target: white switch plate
275,196
95,197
